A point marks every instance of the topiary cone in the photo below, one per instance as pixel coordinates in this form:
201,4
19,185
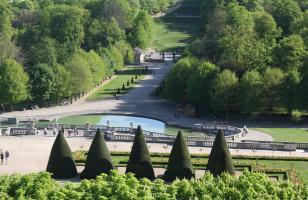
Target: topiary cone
220,160
98,159
139,162
179,164
61,163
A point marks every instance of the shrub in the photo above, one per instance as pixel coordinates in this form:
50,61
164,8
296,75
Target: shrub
98,159
179,164
139,162
61,163
220,160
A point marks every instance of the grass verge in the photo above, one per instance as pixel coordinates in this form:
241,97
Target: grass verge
110,88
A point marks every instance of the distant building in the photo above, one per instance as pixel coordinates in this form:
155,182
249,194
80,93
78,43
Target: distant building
139,56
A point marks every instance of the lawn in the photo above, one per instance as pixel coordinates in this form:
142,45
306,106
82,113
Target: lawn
287,134
176,30
161,160
171,33
108,89
170,130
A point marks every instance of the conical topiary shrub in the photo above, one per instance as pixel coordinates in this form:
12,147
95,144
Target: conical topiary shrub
179,164
61,163
98,158
139,161
220,160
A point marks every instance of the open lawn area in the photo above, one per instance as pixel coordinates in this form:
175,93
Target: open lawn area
108,89
171,33
286,134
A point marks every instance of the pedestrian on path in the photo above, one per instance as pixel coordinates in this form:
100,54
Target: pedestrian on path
7,155
1,157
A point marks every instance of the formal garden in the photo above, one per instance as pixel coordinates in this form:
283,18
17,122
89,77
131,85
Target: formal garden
101,181
241,62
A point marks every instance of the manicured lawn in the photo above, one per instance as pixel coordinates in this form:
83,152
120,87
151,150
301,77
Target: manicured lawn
186,132
171,33
162,160
287,134
80,119
108,89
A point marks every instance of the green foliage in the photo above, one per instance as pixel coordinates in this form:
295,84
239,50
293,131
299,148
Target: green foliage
98,158
220,160
116,186
251,90
179,164
141,34
13,83
43,82
61,163
290,52
224,92
139,162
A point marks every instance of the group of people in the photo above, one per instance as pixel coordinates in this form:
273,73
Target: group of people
115,96
4,157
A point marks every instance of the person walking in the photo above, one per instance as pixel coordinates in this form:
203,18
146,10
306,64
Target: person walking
1,157
7,155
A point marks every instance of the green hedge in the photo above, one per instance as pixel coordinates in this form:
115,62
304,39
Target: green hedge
115,186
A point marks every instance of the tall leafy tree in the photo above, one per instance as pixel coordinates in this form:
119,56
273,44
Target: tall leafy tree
272,81
141,34
284,13
13,83
43,83
250,91
200,84
291,91
224,92
290,52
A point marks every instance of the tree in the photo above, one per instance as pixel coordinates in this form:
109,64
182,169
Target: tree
139,162
179,164
220,160
272,80
176,81
44,51
290,52
266,27
13,83
200,84
141,34
43,82
98,158
250,92
80,74
291,91
62,87
7,47
224,91
64,23
284,13
61,163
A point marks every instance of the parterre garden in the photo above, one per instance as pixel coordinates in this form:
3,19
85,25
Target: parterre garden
217,183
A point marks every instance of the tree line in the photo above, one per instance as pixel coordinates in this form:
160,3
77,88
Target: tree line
251,57
55,49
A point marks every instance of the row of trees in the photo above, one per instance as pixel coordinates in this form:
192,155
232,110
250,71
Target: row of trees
213,90
63,48
61,163
251,57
